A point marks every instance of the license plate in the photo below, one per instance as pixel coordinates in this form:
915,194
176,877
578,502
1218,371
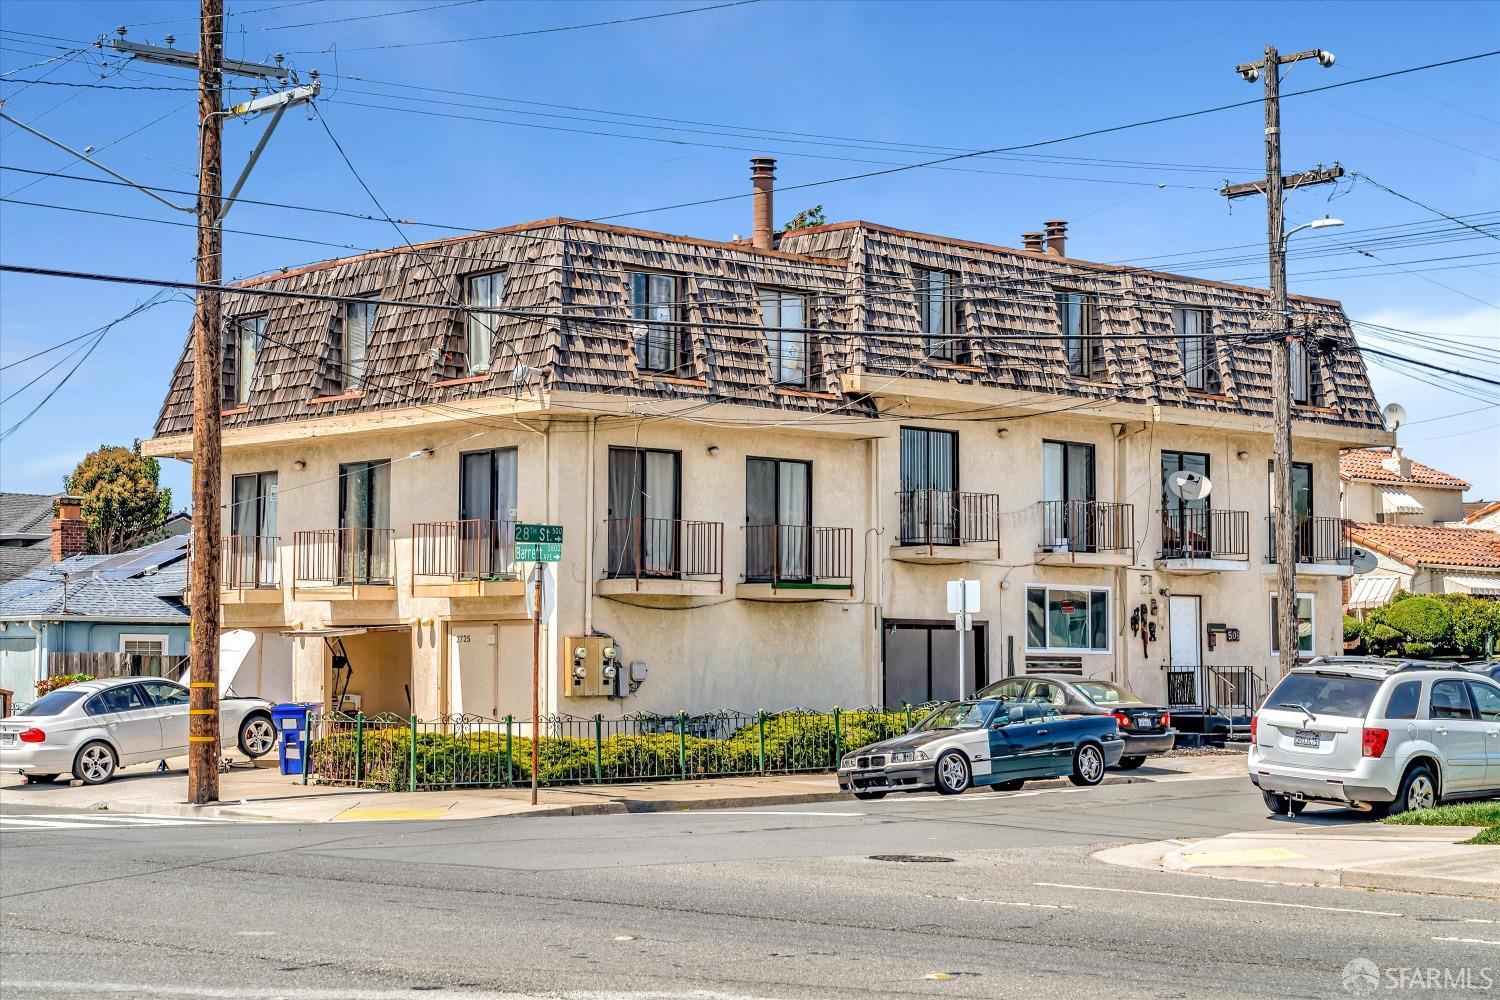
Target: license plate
1305,738
7,739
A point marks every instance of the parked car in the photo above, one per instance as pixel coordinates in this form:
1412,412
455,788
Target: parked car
984,742
1146,729
93,729
1490,668
1389,735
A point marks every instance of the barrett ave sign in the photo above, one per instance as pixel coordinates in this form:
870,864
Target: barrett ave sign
539,542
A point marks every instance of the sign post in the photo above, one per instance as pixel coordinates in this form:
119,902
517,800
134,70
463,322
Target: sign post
963,604
537,543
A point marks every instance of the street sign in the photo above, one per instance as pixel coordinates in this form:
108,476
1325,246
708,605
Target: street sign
963,596
539,543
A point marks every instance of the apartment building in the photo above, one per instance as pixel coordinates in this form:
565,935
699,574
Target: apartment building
768,457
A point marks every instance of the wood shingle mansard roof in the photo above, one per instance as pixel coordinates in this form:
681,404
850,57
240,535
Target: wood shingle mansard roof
858,277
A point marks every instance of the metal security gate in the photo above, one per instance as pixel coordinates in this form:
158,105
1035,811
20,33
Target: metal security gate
921,661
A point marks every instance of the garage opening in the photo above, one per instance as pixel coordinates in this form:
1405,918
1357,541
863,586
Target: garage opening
366,668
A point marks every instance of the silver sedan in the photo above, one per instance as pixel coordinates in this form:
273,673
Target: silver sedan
91,730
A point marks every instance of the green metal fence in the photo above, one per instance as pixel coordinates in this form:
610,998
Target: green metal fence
466,751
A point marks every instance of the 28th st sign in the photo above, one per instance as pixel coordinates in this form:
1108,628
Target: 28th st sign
539,542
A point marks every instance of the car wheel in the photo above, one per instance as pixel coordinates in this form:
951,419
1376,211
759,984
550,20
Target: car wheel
1088,765
1278,804
952,773
95,763
1419,790
257,736
868,796
1130,763
40,779
1008,786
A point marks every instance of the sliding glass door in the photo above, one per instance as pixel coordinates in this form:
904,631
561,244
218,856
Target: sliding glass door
778,520
644,514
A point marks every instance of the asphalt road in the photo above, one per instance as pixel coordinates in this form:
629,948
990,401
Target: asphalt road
785,902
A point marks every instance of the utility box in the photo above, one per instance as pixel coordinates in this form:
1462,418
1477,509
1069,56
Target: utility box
591,667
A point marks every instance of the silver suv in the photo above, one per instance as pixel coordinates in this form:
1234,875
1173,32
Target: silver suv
1390,735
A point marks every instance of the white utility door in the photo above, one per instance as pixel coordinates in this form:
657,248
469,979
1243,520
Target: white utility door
474,670
1184,617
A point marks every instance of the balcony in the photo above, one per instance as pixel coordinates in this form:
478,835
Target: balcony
797,562
945,526
1086,533
1204,541
470,558
1320,546
661,562
344,564
248,569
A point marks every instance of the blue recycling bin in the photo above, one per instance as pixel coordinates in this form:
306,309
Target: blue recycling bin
290,719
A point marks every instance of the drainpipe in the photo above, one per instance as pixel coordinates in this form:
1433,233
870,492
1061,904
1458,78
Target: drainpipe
1120,670
588,535
875,576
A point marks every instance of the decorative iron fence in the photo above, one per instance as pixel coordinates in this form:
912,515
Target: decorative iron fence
338,557
1190,533
948,517
465,550
467,751
1087,526
799,553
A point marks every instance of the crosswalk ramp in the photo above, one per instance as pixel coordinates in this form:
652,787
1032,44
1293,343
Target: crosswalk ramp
10,823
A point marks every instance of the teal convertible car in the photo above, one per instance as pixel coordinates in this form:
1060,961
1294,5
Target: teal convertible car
985,742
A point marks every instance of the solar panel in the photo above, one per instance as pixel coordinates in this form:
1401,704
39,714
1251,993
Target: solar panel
137,561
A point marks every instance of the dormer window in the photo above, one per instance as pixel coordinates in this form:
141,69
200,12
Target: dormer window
784,316
1195,346
655,306
1306,377
484,292
359,322
241,347
1083,348
937,309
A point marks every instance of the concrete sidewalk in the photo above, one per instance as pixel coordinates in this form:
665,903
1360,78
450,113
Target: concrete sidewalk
260,792
1423,859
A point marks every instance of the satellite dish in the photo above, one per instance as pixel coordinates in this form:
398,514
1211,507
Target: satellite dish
1363,560
1394,416
1188,485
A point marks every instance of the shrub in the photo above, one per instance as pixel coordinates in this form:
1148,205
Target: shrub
1354,629
1420,650
60,680
1382,638
1476,622
1420,619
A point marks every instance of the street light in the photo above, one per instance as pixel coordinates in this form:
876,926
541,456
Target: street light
1323,223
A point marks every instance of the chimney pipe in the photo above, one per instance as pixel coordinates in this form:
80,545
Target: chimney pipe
763,179
1057,237
70,536
1032,242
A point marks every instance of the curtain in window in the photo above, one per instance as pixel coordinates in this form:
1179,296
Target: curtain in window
247,336
1194,347
653,304
783,314
929,481
359,321
485,292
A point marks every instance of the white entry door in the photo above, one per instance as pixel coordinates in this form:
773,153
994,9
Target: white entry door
1185,626
474,670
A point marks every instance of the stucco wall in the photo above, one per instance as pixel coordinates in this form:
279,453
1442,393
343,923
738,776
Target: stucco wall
1362,503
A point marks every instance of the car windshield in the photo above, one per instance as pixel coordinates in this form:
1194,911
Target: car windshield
1105,693
1325,694
53,703
960,715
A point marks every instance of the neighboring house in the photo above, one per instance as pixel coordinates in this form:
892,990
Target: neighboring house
25,532
99,614
1386,487
767,458
1425,560
1485,516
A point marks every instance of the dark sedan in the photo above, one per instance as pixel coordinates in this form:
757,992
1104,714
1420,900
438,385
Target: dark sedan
1490,668
1147,729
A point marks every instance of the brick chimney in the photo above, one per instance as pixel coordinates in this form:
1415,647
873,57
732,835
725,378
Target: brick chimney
70,536
1057,237
763,179
1032,242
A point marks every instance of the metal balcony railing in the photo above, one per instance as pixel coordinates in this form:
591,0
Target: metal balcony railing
948,517
1230,691
339,557
474,549
1205,534
248,562
1087,526
799,553
662,548
1318,540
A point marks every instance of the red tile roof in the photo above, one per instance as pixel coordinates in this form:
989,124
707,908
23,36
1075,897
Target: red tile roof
1475,509
1427,546
1365,464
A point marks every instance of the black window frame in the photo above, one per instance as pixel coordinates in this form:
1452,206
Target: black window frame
944,343
349,377
236,381
675,334
777,337
1083,349
1204,375
488,322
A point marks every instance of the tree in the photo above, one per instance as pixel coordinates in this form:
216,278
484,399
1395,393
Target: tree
806,219
123,502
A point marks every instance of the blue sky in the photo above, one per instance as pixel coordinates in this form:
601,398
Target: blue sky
934,74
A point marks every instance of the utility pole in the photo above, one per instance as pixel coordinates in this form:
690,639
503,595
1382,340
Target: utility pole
203,597
1280,334
203,701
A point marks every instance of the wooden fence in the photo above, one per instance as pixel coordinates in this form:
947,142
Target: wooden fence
115,664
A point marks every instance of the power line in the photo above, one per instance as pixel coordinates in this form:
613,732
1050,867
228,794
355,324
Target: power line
1422,205
363,17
